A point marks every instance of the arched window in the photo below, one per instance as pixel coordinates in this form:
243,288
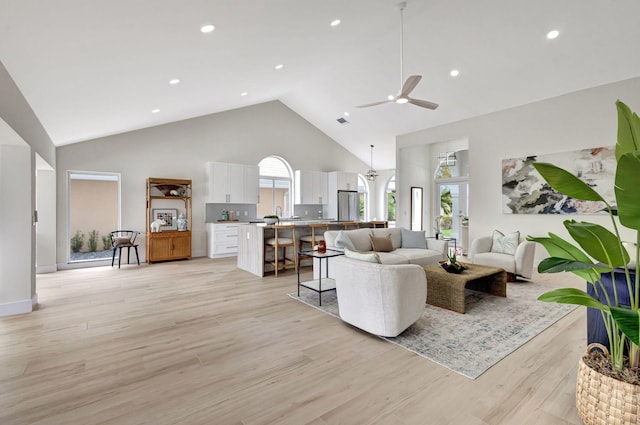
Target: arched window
363,194
276,179
391,201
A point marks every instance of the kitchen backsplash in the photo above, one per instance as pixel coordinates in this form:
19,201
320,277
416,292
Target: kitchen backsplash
242,212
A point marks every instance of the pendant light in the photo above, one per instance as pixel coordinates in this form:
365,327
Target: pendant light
371,174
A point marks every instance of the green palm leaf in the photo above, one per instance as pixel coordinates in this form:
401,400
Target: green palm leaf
628,131
559,248
629,322
566,183
572,296
598,242
627,189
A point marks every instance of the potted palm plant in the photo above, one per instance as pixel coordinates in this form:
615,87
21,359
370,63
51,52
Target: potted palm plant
595,242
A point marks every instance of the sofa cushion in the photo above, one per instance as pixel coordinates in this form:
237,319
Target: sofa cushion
360,238
422,257
505,244
381,243
392,258
343,241
394,232
370,257
413,239
504,261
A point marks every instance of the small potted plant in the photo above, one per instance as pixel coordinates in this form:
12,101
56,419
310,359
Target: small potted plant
621,374
452,266
271,219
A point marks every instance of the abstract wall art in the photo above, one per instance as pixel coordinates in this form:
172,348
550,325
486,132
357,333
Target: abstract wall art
524,191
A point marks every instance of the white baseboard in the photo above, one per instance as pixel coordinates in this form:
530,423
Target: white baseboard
17,307
85,264
52,268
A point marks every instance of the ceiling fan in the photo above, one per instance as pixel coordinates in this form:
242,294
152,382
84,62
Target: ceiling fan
410,84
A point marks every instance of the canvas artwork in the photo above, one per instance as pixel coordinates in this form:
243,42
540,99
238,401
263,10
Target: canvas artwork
524,191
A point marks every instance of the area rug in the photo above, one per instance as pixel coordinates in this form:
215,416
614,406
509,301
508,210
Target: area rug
469,344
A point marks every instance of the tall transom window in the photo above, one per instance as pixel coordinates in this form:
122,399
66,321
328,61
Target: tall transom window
276,177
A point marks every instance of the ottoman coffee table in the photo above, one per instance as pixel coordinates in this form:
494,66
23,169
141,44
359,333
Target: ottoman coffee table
446,289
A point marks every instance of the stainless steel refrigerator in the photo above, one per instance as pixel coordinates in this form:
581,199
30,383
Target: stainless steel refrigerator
348,205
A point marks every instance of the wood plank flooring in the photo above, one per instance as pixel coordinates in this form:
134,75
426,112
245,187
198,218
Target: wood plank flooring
202,342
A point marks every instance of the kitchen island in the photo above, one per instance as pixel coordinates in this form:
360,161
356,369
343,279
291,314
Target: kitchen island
251,237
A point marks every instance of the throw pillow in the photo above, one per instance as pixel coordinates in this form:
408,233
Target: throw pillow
413,239
505,244
343,241
122,240
370,257
382,243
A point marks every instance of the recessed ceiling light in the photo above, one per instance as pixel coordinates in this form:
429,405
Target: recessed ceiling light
244,93
391,97
335,22
279,66
207,28
346,114
155,111
553,34
174,81
454,73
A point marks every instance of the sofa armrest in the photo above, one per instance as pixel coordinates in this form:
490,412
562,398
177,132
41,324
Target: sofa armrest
480,245
525,254
439,245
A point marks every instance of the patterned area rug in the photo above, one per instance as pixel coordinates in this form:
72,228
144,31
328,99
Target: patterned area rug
469,344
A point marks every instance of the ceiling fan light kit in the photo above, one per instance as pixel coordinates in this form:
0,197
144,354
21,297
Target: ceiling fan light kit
412,81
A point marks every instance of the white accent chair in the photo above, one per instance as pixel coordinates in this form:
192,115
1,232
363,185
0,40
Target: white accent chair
382,299
519,264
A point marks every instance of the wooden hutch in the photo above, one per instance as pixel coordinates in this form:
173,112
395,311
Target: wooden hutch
165,199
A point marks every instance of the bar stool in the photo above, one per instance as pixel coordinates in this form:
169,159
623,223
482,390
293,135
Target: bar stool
377,224
277,242
353,224
313,239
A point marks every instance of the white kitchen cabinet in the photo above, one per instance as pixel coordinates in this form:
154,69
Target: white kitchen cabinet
310,187
222,240
339,180
346,181
232,183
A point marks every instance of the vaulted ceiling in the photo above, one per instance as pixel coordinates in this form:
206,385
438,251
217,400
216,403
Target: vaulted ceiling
91,68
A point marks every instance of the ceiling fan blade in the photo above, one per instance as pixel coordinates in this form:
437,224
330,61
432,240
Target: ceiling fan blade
423,103
374,104
409,85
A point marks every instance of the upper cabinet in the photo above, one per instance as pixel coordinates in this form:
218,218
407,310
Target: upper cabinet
310,187
339,180
232,183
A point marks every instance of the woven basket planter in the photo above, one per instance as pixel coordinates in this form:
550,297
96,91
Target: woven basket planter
602,400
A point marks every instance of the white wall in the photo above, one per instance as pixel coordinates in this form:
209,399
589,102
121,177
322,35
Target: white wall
578,120
181,149
15,226
46,225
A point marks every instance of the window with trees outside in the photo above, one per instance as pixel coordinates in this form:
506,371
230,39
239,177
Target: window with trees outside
391,201
276,179
363,195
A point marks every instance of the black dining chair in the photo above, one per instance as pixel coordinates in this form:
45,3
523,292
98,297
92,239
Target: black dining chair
124,239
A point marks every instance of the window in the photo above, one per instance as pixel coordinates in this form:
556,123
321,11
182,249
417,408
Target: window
451,193
363,194
94,211
391,201
275,187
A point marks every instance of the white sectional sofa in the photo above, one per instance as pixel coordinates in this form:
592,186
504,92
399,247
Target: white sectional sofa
403,253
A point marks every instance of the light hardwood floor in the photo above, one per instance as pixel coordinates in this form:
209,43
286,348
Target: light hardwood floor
201,342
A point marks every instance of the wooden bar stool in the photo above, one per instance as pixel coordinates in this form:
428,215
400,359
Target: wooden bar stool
377,224
352,224
313,239
280,241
